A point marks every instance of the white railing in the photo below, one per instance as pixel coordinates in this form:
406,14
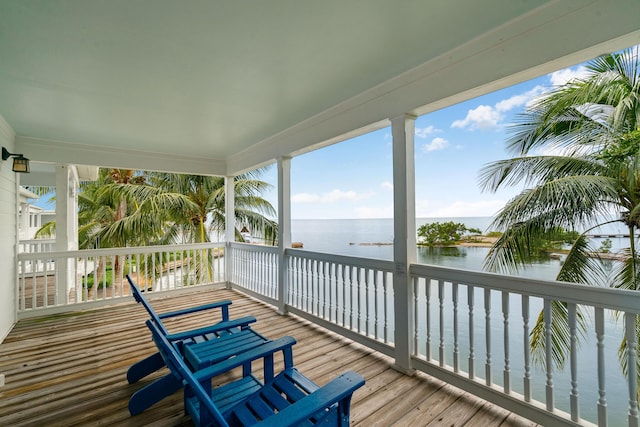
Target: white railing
36,246
472,329
58,279
353,296
255,270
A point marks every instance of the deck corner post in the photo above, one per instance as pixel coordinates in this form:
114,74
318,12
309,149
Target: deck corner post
284,230
404,244
66,228
229,229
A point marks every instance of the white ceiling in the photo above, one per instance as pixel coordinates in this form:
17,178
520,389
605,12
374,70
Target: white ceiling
221,86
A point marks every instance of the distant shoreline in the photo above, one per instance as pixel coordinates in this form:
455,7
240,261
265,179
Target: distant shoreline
474,242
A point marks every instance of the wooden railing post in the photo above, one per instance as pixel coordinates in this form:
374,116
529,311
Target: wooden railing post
404,244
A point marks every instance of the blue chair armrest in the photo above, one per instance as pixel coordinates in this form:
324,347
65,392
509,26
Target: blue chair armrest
336,390
222,326
218,304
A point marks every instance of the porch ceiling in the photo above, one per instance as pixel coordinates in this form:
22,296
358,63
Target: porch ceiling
220,86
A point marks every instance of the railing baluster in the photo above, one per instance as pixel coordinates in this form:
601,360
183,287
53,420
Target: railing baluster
456,349
304,283
295,281
385,288
34,287
22,285
334,299
427,290
327,291
314,286
416,323
376,314
359,297
472,355
527,349
351,302
77,289
321,296
318,280
573,339
441,314
507,368
344,295
487,327
549,354
367,306
631,337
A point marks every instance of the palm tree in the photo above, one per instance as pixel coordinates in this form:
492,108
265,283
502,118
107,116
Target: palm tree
187,208
590,177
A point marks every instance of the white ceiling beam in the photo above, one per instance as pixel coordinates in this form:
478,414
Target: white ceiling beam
44,150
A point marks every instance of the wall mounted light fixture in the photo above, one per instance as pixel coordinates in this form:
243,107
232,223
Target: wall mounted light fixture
20,162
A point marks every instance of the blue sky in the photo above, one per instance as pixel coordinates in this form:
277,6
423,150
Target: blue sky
353,179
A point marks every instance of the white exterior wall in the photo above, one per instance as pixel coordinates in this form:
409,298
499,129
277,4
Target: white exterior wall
8,234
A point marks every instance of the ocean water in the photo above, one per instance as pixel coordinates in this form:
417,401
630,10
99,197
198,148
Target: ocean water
373,238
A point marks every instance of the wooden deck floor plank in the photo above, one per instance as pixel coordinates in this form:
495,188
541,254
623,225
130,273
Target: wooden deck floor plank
434,406
334,362
395,409
514,420
466,406
374,401
73,355
488,414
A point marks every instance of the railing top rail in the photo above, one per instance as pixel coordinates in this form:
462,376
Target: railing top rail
378,264
254,247
615,299
117,251
31,241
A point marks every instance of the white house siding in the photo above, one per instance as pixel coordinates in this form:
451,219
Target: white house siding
8,230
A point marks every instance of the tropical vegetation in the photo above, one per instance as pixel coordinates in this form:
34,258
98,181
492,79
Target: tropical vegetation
443,233
135,208
577,149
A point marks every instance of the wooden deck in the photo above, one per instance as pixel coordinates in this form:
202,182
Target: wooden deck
69,370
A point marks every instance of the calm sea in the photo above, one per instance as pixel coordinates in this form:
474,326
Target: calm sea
373,238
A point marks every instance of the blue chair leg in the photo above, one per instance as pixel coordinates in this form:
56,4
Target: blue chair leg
153,393
146,366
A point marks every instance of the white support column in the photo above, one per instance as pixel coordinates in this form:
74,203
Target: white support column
230,226
25,223
66,226
404,243
284,229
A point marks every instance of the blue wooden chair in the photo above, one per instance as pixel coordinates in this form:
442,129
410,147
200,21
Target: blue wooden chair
209,345
285,399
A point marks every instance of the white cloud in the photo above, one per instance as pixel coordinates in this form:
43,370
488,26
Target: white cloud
483,117
486,117
387,185
330,197
519,100
435,145
561,77
425,132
